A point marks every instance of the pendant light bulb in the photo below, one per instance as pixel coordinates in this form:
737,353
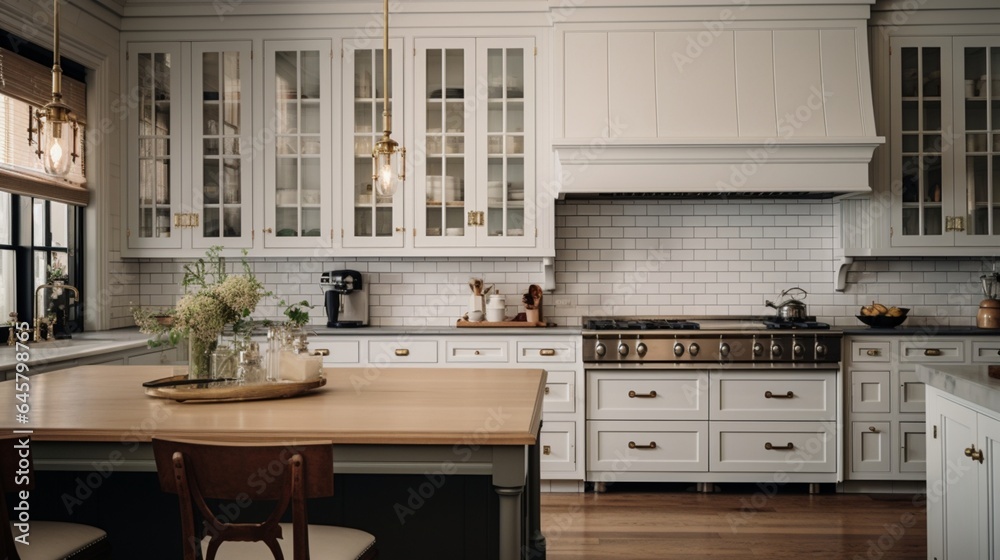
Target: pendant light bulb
57,158
57,136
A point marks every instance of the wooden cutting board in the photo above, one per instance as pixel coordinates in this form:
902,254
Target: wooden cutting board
499,324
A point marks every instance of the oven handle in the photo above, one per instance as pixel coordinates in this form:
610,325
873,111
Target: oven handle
770,395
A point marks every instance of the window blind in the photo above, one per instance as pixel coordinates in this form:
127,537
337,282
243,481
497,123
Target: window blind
27,86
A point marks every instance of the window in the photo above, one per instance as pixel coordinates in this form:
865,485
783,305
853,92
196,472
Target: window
39,241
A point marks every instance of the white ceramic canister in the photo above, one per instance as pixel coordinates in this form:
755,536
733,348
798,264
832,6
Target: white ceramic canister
496,308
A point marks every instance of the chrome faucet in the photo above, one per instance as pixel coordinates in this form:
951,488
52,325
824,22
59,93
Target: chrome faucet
51,322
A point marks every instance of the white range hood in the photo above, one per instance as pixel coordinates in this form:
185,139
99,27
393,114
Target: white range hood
725,98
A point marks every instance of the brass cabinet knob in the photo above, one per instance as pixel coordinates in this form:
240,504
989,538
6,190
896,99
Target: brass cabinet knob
546,450
873,429
874,352
547,352
974,454
932,352
402,352
268,230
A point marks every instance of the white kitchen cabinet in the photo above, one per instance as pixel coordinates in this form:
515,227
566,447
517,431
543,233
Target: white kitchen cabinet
882,392
475,131
298,102
189,180
562,436
937,188
963,479
369,220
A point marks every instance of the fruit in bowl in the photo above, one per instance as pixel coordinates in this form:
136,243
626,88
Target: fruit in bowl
881,316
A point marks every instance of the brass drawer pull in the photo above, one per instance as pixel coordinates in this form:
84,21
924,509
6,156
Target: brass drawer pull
770,395
402,352
873,429
477,352
632,445
770,447
547,352
546,389
874,352
321,352
932,352
546,450
649,395
974,454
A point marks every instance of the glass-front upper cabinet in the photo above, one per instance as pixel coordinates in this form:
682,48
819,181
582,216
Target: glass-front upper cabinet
474,128
978,150
154,134
921,163
507,211
370,220
297,179
221,174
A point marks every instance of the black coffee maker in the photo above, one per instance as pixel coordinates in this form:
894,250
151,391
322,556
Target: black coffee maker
346,299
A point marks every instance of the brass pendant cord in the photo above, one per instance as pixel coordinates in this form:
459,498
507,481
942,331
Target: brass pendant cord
386,116
56,68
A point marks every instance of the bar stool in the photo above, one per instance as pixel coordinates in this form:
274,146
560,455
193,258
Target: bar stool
241,474
49,540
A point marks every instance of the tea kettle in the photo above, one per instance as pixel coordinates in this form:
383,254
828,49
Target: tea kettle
792,309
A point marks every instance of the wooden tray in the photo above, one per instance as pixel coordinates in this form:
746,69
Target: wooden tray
226,391
499,324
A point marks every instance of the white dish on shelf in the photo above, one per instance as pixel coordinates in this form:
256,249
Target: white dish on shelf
454,231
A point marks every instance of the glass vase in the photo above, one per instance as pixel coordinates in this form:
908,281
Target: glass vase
200,358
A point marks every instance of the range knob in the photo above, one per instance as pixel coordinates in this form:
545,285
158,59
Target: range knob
775,351
797,350
724,350
622,349
678,349
820,349
600,349
758,349
694,349
641,349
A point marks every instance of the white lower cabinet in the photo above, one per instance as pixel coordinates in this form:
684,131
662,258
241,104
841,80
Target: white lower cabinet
676,425
963,475
562,436
885,402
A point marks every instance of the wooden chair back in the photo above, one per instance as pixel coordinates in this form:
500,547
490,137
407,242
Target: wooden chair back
288,474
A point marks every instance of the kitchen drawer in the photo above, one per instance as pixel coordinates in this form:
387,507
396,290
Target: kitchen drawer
752,395
476,351
558,440
870,391
647,395
946,351
986,352
403,352
647,446
911,393
340,351
530,351
761,447
870,351
560,392
870,445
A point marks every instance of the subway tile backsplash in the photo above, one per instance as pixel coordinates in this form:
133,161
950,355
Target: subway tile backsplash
635,257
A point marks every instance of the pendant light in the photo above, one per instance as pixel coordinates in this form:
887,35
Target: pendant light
388,158
55,125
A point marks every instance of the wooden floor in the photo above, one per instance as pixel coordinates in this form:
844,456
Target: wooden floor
733,525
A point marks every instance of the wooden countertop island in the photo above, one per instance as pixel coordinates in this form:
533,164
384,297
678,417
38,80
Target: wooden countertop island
381,420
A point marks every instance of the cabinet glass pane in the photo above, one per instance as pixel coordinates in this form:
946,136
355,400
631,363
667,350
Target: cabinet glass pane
373,216
221,88
921,141
505,144
982,120
445,140
298,143
153,81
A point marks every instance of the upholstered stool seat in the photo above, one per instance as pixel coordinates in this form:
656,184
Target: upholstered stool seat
54,540
325,541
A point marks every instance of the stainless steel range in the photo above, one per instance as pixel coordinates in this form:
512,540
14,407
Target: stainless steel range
702,341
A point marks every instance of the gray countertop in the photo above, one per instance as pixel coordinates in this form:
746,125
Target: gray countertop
970,383
923,330
80,346
450,331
